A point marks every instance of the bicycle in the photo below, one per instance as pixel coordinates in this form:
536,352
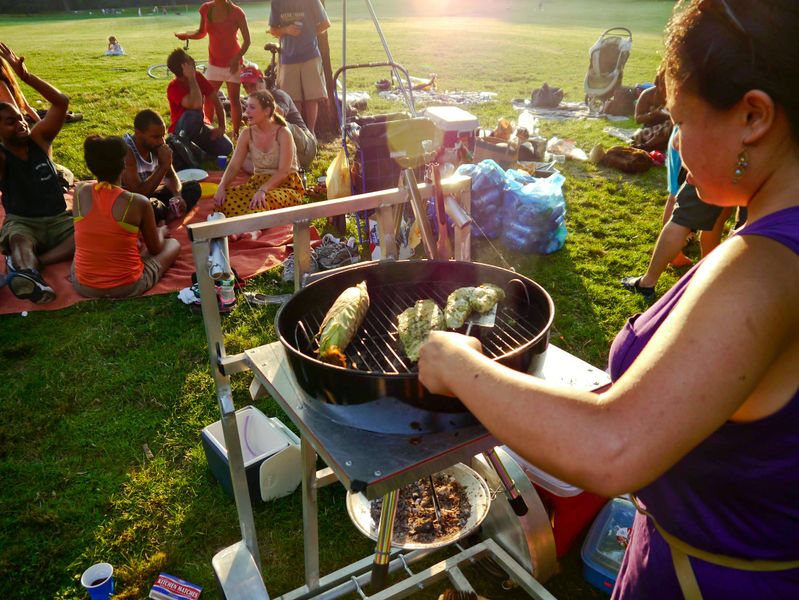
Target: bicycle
270,73
163,72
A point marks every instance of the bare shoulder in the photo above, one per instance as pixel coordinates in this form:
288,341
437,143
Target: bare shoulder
139,199
752,275
284,135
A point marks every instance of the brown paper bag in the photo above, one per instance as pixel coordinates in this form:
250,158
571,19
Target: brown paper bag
497,150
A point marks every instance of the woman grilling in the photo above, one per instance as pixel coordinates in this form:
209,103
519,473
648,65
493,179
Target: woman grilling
702,420
268,143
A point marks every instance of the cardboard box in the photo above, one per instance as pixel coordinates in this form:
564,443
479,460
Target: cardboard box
497,150
270,450
169,587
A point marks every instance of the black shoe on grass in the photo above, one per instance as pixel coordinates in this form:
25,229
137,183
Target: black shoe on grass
634,285
27,284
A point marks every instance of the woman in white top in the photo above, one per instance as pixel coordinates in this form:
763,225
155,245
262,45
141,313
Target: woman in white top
268,143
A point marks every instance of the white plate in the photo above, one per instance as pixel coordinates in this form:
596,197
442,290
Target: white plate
192,175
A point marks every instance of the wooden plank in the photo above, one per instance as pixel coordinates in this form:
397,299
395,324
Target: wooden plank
307,212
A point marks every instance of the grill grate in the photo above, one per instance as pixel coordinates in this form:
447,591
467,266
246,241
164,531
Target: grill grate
376,348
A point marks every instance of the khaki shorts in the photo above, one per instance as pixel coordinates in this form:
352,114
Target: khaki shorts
303,81
214,73
45,232
149,277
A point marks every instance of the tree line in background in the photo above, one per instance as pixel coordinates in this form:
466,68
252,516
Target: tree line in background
41,6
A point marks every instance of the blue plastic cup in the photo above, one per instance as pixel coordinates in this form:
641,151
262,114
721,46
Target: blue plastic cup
221,160
99,581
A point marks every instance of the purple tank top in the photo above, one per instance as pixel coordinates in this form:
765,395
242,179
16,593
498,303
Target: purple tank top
736,493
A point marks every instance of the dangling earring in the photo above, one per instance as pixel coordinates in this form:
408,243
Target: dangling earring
740,166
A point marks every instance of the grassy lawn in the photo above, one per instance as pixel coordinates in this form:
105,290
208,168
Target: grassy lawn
88,387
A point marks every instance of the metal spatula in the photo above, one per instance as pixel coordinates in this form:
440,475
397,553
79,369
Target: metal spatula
486,319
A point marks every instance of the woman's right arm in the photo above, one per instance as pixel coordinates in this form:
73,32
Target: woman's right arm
152,235
198,33
234,166
719,355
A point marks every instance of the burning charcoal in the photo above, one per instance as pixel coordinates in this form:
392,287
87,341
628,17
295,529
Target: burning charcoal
415,519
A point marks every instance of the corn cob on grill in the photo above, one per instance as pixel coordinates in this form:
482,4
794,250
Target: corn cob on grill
341,323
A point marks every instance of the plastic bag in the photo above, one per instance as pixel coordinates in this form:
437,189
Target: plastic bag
567,148
534,213
488,185
338,177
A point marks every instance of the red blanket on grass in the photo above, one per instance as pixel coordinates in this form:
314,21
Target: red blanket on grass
249,258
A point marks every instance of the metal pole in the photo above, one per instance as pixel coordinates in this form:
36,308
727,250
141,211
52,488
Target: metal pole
310,515
385,531
343,74
230,431
406,93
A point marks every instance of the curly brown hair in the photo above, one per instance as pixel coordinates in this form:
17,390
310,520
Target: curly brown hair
721,49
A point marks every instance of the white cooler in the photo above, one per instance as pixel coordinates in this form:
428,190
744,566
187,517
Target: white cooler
270,450
451,122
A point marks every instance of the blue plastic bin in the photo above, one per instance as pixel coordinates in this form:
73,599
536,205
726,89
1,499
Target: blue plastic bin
606,542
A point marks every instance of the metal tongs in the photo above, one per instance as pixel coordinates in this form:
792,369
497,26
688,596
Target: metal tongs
433,495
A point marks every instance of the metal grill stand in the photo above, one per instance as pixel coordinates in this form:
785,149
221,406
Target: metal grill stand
375,464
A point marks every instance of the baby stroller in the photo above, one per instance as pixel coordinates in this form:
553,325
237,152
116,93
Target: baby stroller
607,58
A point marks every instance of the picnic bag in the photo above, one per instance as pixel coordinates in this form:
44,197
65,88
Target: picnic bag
185,155
627,160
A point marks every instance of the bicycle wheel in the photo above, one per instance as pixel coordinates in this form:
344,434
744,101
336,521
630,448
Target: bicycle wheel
159,72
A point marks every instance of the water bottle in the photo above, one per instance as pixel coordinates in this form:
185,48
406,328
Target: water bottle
227,294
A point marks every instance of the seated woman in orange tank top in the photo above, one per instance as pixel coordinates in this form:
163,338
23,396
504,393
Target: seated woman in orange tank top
108,224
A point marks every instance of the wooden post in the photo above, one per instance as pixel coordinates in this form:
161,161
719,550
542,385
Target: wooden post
327,126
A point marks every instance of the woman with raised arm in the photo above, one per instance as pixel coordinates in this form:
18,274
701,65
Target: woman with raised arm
222,21
268,143
702,420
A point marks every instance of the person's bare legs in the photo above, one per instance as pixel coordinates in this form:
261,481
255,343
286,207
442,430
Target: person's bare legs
234,95
63,251
680,260
669,208
22,253
209,107
670,242
310,111
168,254
708,240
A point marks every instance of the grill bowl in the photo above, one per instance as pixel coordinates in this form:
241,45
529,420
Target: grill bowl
378,369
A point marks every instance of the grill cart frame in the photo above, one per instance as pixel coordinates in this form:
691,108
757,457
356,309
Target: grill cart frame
238,567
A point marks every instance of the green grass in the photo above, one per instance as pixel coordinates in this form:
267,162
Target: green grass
87,387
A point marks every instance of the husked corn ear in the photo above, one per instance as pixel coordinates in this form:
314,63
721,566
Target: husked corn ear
341,323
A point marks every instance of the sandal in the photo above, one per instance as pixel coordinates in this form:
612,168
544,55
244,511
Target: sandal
634,285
